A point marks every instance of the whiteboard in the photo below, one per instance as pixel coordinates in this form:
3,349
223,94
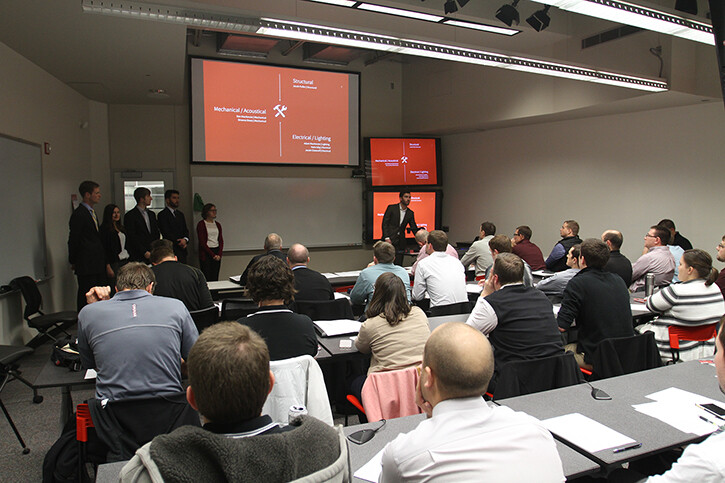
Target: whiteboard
22,236
317,212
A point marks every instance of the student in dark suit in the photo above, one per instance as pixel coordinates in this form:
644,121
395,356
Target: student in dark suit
394,226
310,285
141,227
85,247
172,225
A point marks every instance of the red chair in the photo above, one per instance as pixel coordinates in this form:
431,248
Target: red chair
700,333
83,424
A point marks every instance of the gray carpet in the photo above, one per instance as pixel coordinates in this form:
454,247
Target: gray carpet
39,424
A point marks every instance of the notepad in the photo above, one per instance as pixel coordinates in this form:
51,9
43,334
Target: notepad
371,470
332,328
586,433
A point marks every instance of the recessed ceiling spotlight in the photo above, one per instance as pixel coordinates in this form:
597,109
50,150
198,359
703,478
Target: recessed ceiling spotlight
157,94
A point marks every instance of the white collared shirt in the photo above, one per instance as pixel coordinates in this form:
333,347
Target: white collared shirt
443,277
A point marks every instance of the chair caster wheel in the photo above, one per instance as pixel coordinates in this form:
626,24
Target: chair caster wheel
38,399
26,450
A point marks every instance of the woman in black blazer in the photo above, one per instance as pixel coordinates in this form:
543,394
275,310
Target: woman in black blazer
113,236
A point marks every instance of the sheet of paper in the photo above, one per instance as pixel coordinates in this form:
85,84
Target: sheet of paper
473,288
331,328
353,273
675,395
235,278
340,295
685,417
586,433
90,374
371,470
542,273
329,275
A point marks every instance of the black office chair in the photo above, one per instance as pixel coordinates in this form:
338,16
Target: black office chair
205,317
624,355
451,309
233,309
43,323
325,309
9,356
517,378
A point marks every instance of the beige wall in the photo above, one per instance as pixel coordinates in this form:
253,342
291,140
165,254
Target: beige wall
624,171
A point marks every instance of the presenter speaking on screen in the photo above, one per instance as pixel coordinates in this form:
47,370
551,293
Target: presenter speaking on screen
397,217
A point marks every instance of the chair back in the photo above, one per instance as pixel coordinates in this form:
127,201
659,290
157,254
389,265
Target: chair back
298,382
325,309
624,355
233,309
31,295
517,378
205,317
699,333
451,309
390,394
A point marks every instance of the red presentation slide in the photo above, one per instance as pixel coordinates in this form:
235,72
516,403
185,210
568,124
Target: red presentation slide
398,162
422,204
266,114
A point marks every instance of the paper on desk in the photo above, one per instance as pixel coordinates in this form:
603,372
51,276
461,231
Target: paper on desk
586,433
371,470
90,374
235,278
340,295
675,395
685,417
353,273
473,288
331,328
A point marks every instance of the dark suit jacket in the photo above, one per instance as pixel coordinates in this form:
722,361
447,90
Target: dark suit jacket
274,253
311,285
85,247
173,227
182,282
111,243
393,228
139,238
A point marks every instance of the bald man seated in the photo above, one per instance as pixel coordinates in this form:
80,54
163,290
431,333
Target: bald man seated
309,284
464,438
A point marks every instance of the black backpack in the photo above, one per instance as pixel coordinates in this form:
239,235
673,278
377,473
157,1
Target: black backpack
65,354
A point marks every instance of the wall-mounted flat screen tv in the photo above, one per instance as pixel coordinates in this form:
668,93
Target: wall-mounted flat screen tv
402,161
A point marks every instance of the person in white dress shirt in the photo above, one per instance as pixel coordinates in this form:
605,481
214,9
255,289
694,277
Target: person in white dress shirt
440,275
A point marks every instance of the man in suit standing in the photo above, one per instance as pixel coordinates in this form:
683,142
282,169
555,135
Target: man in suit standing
141,227
172,225
85,248
310,285
395,220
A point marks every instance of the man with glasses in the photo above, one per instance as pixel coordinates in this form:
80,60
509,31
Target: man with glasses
657,259
528,251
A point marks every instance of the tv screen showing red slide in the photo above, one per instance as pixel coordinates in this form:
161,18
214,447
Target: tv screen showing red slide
252,113
403,162
424,204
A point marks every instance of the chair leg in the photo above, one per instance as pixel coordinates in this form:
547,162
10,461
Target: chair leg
15,374
26,450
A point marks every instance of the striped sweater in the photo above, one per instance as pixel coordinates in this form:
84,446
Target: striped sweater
690,303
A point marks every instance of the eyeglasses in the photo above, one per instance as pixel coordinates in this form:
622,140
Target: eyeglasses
517,234
650,236
720,246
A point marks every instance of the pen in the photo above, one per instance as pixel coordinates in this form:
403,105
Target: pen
625,448
708,421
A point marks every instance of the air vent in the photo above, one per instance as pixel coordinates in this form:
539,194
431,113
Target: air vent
609,35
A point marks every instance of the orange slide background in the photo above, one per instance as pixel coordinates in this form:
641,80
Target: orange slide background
419,159
422,204
320,112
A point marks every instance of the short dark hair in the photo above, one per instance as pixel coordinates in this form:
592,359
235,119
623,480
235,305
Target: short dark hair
488,228
573,226
384,252
509,268
614,237
271,279
576,250
229,373
206,209
662,233
161,249
525,231
438,240
134,276
389,299
667,223
87,187
595,253
500,243
140,192
403,193
168,193
701,262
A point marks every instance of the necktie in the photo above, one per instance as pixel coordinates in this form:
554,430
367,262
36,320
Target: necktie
95,220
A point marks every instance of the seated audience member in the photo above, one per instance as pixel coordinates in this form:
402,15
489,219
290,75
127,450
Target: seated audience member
720,282
677,252
528,251
464,439
617,263
479,252
696,300
519,321
271,285
502,244
656,259
135,341
554,286
229,380
177,280
309,284
441,276
421,238
675,237
569,231
394,332
272,246
383,257
597,300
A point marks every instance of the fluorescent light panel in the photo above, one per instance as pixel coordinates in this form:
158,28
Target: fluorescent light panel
638,16
399,12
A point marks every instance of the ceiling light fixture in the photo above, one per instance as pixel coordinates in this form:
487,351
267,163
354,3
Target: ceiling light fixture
539,20
647,18
399,12
462,3
508,13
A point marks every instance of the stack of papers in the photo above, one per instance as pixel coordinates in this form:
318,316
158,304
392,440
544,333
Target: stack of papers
332,328
586,433
679,409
